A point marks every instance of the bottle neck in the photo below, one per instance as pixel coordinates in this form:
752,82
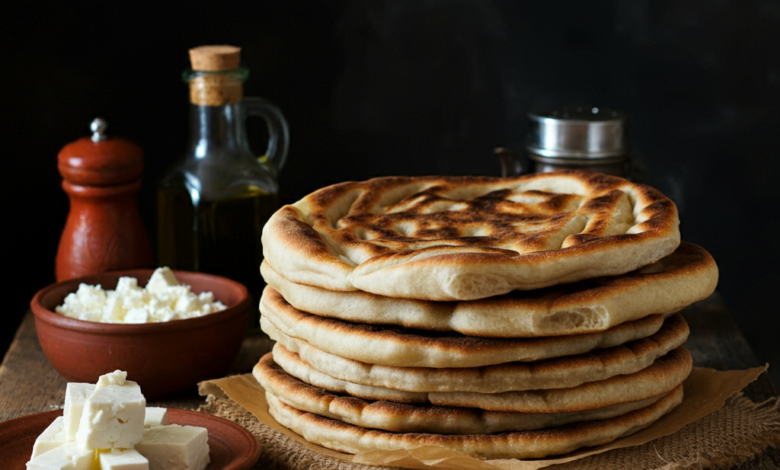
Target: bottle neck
216,113
216,129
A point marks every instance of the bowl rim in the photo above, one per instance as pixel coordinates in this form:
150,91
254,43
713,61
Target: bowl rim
51,317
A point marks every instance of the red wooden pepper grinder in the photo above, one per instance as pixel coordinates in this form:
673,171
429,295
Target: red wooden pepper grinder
104,231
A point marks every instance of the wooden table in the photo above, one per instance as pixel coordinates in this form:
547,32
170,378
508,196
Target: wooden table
29,384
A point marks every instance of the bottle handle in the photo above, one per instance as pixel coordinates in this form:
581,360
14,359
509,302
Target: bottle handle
278,131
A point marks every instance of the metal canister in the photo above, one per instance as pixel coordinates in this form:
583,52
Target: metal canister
585,138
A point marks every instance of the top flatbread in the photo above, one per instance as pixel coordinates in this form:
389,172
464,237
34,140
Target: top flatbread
465,238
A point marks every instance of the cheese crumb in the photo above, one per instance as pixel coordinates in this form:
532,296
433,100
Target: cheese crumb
118,377
163,299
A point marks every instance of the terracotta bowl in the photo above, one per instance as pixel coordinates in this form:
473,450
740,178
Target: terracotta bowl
164,358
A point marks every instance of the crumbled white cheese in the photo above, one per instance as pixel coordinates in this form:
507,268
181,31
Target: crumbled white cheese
163,299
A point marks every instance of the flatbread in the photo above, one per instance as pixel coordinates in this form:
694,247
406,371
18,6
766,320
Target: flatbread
676,281
300,369
349,438
396,346
465,238
563,372
661,377
399,417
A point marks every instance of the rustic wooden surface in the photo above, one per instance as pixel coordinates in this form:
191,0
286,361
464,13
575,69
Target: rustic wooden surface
29,384
716,341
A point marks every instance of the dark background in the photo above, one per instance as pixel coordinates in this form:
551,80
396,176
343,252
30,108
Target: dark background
413,87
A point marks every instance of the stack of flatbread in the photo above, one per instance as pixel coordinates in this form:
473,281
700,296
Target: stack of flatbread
503,318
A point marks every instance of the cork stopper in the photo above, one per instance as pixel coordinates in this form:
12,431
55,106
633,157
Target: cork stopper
215,58
216,80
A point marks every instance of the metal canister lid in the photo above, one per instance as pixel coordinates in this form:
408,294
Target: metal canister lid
579,132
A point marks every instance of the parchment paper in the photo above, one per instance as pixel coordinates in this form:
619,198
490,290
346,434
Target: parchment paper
706,390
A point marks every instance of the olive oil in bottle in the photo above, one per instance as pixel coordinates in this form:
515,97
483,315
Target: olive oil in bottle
213,204
219,237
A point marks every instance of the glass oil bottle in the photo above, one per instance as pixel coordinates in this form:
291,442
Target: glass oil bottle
213,204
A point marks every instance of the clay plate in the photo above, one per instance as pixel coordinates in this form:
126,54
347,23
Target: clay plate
231,447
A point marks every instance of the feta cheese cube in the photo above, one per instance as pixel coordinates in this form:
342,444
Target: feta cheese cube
206,297
113,416
76,395
126,284
135,299
163,314
113,312
65,457
137,315
85,304
91,296
161,279
52,437
175,447
156,416
187,304
128,459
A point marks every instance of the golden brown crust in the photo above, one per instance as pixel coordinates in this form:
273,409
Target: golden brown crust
444,238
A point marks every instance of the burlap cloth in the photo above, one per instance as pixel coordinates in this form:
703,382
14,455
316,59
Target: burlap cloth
729,436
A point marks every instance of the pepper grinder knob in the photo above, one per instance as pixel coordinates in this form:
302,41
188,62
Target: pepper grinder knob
98,127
